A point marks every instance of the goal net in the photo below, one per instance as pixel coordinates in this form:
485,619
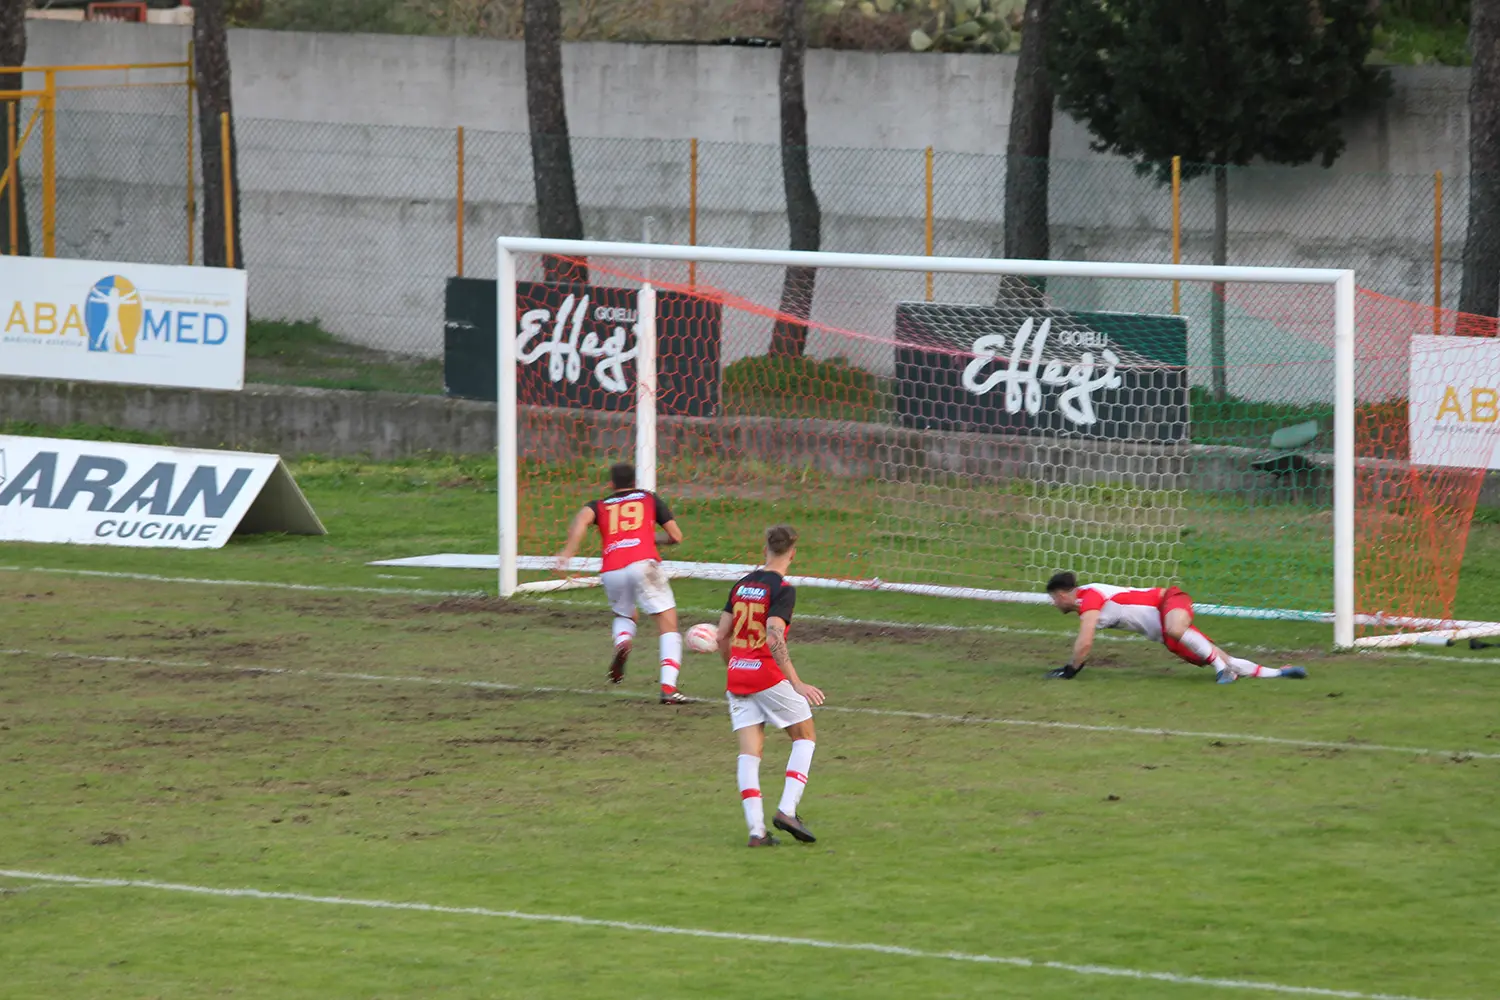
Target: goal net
1266,438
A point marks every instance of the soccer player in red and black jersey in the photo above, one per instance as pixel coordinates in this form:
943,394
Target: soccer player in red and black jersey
1161,614
628,521
764,686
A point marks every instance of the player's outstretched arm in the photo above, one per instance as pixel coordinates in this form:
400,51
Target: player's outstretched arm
1088,624
776,639
580,526
670,534
726,625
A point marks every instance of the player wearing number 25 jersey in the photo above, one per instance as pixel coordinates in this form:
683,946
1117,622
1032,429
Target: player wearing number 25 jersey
764,687
628,520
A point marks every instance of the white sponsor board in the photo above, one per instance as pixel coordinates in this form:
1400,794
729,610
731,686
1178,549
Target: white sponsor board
93,493
1454,401
146,324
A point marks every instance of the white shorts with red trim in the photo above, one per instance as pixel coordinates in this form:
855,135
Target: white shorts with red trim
641,584
778,704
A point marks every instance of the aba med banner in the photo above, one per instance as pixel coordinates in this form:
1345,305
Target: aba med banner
145,324
92,493
1454,409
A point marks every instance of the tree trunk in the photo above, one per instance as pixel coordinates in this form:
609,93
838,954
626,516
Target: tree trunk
13,53
557,215
804,217
211,61
1028,150
1221,256
1480,292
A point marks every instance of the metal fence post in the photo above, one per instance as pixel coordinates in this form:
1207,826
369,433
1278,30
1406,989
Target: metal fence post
927,242
228,189
1177,231
1437,253
49,166
692,208
460,201
12,189
192,191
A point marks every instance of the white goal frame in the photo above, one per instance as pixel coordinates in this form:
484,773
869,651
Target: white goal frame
1342,282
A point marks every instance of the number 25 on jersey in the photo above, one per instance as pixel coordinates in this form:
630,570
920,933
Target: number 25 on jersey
749,625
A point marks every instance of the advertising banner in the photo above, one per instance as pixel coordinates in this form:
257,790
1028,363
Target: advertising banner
575,346
1019,369
96,493
1454,401
143,324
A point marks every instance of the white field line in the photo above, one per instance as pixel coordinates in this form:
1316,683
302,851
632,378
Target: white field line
314,587
973,720
897,951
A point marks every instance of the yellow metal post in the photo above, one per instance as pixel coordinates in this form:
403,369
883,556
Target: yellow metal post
49,166
460,201
692,209
228,189
1437,253
927,240
1176,231
12,189
192,190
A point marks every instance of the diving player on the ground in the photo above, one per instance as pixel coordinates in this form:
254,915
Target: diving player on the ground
627,520
1163,615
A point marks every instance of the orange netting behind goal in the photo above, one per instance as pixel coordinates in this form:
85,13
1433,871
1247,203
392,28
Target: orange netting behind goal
976,433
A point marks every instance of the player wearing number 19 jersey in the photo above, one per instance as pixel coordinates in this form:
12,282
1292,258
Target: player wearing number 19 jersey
627,520
764,687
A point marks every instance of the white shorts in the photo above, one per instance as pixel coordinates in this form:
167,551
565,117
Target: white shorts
641,584
779,705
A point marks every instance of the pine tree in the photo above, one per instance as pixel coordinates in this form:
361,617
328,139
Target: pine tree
557,214
803,215
1217,82
211,62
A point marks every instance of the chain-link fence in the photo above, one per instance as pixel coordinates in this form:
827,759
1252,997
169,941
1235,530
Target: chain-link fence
350,231
106,162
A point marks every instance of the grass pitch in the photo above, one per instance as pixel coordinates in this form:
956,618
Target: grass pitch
393,747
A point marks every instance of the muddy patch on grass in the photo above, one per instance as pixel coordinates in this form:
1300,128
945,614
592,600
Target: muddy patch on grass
803,630
512,609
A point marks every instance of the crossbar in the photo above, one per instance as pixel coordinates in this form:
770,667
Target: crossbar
950,265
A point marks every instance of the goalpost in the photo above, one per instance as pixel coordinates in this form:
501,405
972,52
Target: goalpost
963,427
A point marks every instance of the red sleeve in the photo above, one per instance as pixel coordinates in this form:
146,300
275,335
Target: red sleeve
1089,600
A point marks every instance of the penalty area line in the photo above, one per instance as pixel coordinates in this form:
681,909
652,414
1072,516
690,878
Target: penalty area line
892,713
897,951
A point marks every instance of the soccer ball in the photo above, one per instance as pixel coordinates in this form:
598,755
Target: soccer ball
703,638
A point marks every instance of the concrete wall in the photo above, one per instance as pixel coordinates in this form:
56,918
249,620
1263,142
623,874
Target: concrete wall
956,103
347,164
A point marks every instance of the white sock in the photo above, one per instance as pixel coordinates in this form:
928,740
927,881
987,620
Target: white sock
1197,643
624,630
671,659
1245,668
797,766
755,812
